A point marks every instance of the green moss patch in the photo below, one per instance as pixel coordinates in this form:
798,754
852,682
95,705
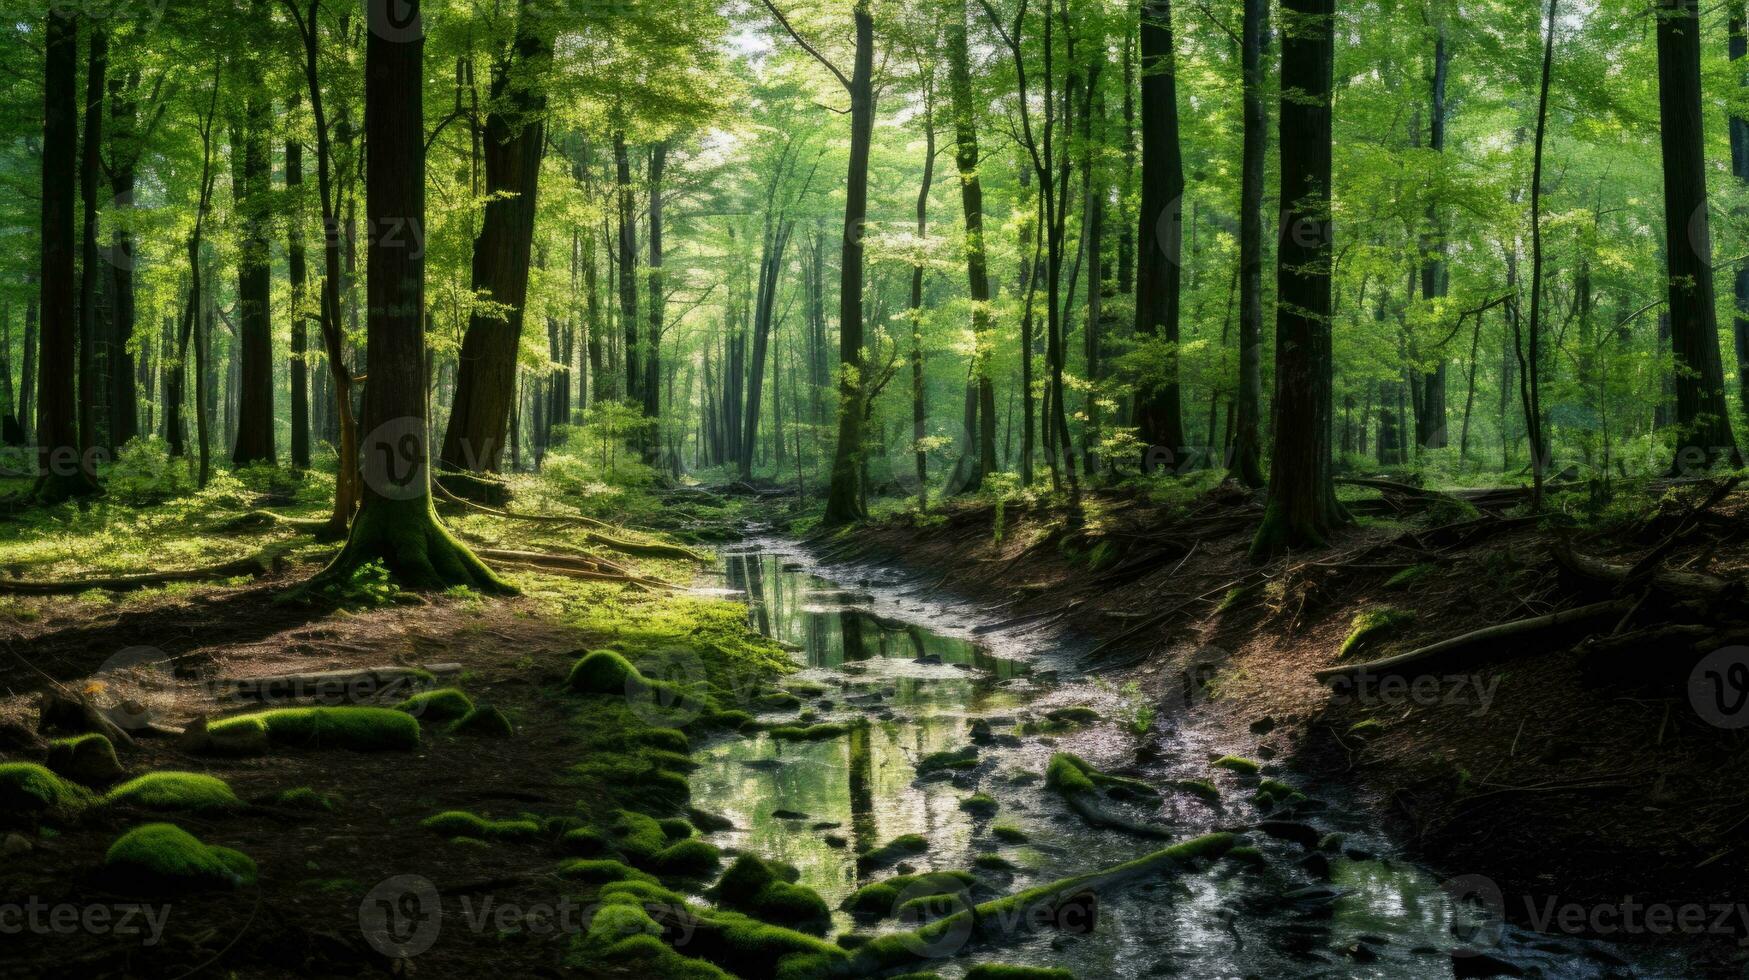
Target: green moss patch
961,758
175,791
162,857
484,721
1375,626
1002,971
686,859
599,871
1008,833
29,790
1236,764
360,729
1201,788
893,851
87,759
980,804
459,823
604,672
1069,774
302,798
760,890
882,898
1409,576
810,733
443,704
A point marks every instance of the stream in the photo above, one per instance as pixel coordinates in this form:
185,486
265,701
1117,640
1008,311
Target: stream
921,668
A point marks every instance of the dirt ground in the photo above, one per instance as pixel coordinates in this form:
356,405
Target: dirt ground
317,869
1566,767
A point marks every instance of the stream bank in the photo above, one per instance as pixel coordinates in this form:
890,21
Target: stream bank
1566,797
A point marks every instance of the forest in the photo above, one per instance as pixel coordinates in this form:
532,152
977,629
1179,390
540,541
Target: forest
1001,489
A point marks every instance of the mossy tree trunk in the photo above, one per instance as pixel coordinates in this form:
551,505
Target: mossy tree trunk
397,524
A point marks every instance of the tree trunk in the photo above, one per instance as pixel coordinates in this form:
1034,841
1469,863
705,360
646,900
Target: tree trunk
652,358
919,403
473,441
1739,127
254,350
397,524
1246,464
1158,414
295,264
1431,420
92,393
1302,509
126,149
628,266
60,470
1704,435
981,414
844,498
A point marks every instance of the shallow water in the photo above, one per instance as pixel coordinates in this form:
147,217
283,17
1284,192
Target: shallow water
911,672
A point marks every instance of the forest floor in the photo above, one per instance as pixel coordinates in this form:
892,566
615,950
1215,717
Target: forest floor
1567,768
340,835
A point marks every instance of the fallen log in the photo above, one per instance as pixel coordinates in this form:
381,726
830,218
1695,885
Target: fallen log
1490,634
1620,577
254,566
336,686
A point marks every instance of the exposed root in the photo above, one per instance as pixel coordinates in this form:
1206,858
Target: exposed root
1476,638
261,563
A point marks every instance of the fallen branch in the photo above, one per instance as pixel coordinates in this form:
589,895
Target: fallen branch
577,566
1622,577
1502,631
261,563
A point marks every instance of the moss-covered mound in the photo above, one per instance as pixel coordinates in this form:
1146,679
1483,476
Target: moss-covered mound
162,858
360,729
686,859
443,704
882,898
1069,774
1373,627
980,805
809,733
175,791
761,890
484,721
302,798
29,791
599,871
1237,764
459,823
87,759
893,851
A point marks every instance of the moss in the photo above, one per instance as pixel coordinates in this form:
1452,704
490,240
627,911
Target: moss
302,798
459,823
632,780
1273,791
811,733
637,836
1069,774
708,823
893,851
778,701
1247,854
1200,788
758,889
87,759
1236,764
1409,576
994,862
1078,714
443,704
1002,971
1374,626
1008,833
731,720
175,791
603,672
806,689
358,728
238,736
687,859
675,828
895,951
409,541
666,739
980,804
599,872
30,790
881,899
961,758
1366,728
585,841
162,857
484,721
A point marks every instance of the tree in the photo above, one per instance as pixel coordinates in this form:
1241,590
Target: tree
514,137
1246,463
980,411
1158,413
297,273
1703,423
397,524
1302,508
844,497
91,392
255,428
62,471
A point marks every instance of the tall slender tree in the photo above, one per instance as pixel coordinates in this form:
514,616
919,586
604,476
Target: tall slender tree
1302,508
396,523
1159,416
1246,463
